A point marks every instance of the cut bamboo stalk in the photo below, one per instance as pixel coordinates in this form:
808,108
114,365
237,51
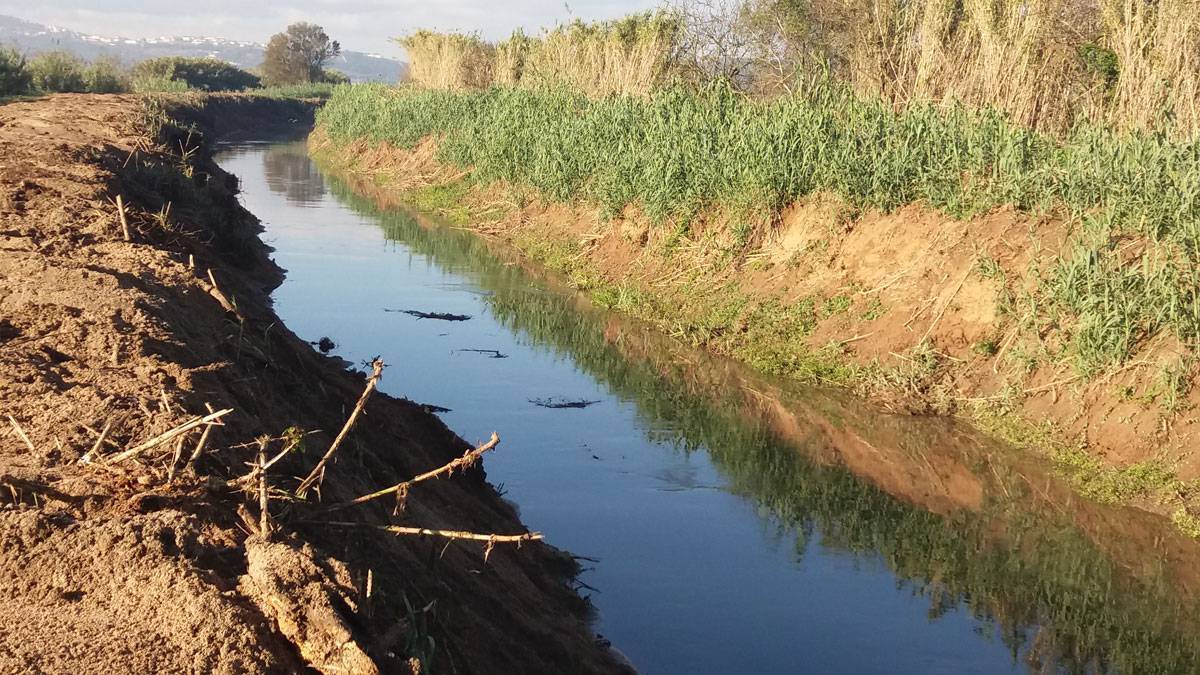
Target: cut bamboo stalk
21,433
468,459
318,473
124,220
169,435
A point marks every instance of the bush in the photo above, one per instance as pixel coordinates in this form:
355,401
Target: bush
14,73
104,76
206,74
334,77
57,72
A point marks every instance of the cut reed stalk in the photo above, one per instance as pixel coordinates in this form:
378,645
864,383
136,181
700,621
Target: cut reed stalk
318,472
400,489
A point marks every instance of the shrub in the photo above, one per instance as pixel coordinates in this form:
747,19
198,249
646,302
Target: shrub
14,73
206,74
57,72
104,76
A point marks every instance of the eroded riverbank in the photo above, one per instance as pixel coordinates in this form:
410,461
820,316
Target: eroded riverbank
739,522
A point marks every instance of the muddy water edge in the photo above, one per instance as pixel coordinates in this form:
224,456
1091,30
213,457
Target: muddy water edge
731,522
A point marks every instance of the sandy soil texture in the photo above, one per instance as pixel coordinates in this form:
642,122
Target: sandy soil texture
112,335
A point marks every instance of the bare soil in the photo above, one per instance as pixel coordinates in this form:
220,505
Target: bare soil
147,565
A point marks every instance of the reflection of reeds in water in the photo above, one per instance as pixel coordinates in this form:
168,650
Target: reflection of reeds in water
1019,561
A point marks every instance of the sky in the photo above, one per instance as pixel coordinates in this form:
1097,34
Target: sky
360,25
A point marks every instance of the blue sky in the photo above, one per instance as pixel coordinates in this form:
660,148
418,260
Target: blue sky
361,25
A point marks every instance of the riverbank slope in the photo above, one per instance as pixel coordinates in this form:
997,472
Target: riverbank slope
1057,324
131,546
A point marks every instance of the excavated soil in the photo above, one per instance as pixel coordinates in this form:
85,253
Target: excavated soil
152,564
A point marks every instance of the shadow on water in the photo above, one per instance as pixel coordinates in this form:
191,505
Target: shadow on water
1070,585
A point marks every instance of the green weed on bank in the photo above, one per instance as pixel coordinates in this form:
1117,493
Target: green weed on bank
677,152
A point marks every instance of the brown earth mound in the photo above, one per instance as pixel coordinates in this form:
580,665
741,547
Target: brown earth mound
154,564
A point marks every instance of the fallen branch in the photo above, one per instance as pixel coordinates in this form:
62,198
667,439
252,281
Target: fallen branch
21,433
318,473
401,489
173,433
447,534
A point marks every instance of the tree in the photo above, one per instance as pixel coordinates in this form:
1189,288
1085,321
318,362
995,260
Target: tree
14,73
298,55
57,72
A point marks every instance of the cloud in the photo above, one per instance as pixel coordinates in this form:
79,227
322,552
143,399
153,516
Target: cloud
368,26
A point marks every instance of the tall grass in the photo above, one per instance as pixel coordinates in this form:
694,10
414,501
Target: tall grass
679,152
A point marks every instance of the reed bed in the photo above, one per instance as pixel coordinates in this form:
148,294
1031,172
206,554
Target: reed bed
632,55
678,152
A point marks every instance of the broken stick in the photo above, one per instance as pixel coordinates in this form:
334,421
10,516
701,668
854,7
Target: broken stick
124,220
448,534
21,433
173,433
318,473
468,459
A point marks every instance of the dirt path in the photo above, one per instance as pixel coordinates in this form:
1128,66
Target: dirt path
146,565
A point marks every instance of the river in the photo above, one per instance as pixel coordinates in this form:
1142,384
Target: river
733,523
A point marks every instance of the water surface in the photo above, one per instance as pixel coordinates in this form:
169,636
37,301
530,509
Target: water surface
739,524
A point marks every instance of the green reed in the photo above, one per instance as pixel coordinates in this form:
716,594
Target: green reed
679,152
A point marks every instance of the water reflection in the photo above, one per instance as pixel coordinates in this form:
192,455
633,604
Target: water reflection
289,172
1068,585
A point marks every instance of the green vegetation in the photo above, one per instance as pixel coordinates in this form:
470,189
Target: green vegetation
298,56
680,152
14,73
57,72
1018,563
105,76
178,73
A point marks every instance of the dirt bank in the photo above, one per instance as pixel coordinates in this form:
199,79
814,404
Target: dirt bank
918,311
148,564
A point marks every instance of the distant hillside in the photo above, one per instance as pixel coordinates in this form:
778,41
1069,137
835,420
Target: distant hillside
33,38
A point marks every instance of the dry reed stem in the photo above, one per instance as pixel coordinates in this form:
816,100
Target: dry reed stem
447,534
122,217
169,435
87,457
318,473
199,450
215,291
21,433
176,457
468,458
264,500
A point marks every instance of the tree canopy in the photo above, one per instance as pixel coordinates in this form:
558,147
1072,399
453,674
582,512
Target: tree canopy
298,55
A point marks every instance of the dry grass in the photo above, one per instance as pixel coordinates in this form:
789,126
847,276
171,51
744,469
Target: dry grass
629,56
449,60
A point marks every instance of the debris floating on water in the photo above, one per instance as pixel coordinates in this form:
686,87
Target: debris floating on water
558,404
440,316
492,353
